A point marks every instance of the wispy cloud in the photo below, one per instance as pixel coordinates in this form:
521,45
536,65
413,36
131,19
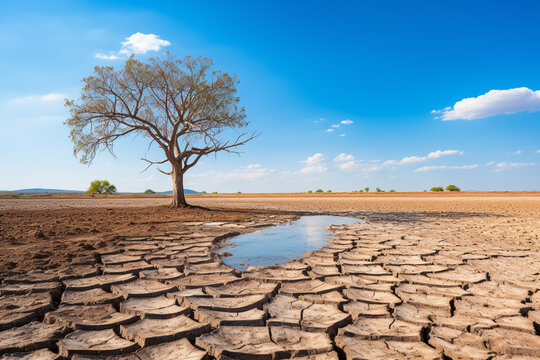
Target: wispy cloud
346,122
343,157
137,43
103,56
329,130
502,166
51,97
416,159
494,102
442,167
346,162
518,152
249,172
314,164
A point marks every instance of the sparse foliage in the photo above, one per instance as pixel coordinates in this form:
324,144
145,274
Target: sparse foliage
180,105
436,188
452,188
101,187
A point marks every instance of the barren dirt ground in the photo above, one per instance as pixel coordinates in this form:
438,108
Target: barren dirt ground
451,276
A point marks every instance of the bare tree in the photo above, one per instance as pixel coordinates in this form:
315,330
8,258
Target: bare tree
183,106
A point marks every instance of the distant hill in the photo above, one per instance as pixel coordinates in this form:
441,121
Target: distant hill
186,191
43,190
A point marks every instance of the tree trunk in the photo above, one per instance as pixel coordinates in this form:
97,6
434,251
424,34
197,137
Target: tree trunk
179,200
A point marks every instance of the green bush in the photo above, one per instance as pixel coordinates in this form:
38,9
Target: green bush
310,191
328,190
203,192
214,192
101,187
361,190
149,191
392,190
319,190
436,188
452,188
366,189
379,190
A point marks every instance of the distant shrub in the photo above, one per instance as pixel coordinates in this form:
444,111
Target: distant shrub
319,190
203,192
436,188
366,189
149,191
452,188
310,191
379,190
239,192
425,190
328,190
392,190
214,192
101,187
361,190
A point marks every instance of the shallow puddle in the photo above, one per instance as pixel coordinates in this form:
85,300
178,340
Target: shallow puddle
284,242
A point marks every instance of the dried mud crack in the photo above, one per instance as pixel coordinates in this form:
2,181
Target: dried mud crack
383,289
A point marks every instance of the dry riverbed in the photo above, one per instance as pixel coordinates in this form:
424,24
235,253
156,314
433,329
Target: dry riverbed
424,277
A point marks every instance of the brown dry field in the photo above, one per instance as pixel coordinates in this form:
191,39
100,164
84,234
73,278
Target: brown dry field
45,231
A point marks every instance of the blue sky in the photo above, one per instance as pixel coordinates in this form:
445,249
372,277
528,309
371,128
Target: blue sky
346,94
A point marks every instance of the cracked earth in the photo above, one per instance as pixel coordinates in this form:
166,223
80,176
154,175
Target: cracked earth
389,288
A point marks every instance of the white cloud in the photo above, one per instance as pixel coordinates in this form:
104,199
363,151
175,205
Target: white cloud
314,169
510,165
250,172
490,163
416,159
314,164
518,152
335,125
343,157
346,162
140,43
346,134
315,159
494,102
442,167
537,151
371,168
329,130
346,122
348,166
51,97
103,56
437,154
319,121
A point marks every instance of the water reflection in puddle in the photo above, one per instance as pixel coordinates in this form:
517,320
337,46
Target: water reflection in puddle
284,242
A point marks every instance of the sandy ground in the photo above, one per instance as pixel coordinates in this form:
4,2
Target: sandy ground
42,232
426,276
